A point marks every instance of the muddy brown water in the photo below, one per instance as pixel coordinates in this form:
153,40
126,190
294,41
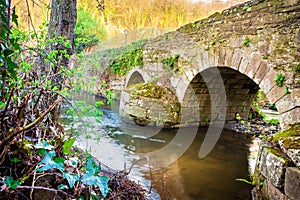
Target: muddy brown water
213,177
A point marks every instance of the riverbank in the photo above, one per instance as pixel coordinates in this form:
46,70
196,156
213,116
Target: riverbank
57,175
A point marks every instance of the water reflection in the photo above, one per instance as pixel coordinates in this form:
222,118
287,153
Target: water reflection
212,177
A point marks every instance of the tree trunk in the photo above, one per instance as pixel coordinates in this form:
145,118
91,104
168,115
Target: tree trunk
61,25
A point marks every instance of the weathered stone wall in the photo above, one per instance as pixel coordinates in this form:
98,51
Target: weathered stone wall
279,169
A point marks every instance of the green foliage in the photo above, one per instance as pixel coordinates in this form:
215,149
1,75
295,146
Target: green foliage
27,95
11,183
88,31
92,178
297,69
129,57
251,182
15,160
273,121
81,109
8,45
238,117
98,104
49,162
273,107
89,173
293,131
247,42
71,178
279,80
206,119
246,8
67,145
286,91
171,62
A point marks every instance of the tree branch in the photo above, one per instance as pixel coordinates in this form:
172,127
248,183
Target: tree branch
44,188
17,130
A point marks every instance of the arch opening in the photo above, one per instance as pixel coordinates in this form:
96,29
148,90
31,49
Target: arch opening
240,93
135,78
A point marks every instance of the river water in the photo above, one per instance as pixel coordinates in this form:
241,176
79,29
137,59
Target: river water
120,145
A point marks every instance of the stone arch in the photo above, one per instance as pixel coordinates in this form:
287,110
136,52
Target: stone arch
248,71
204,95
135,76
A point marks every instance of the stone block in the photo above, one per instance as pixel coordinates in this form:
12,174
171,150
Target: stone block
295,94
261,72
290,117
285,103
222,55
292,183
236,59
291,146
205,58
253,65
275,93
189,75
216,56
297,38
244,64
273,165
137,111
268,82
228,57
272,193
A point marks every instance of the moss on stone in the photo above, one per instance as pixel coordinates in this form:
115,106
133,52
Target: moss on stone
127,58
150,90
291,143
277,153
293,131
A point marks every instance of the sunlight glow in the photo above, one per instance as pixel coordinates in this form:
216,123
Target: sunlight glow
194,1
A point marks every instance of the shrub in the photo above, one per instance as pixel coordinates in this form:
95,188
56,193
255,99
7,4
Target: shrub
88,31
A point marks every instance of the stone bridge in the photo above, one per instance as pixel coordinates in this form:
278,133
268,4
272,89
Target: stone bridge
214,67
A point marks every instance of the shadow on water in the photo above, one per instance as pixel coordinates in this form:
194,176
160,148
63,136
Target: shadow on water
212,177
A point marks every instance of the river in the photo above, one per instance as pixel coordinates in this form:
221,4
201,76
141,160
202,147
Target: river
120,145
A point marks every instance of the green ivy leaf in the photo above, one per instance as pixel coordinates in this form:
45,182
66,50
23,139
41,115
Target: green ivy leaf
67,145
2,104
11,183
94,195
15,160
71,178
14,16
91,167
62,186
59,160
42,151
11,68
98,104
100,181
49,163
